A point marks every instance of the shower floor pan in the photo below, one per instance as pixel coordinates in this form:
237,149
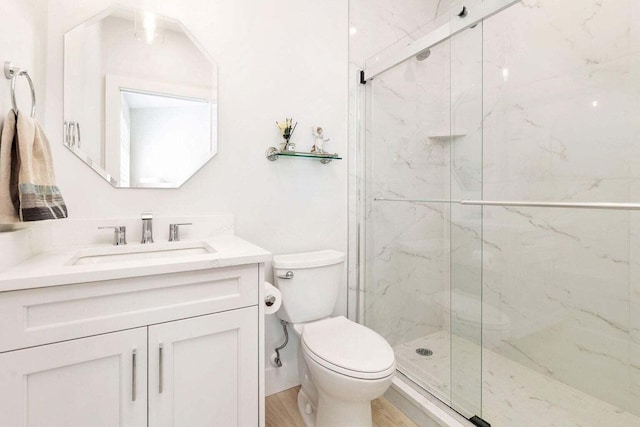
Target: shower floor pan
512,394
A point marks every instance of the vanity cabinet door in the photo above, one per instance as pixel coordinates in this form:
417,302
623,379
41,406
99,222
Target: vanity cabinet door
203,371
91,381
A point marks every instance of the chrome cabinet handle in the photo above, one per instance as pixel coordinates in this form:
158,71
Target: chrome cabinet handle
288,275
160,363
133,375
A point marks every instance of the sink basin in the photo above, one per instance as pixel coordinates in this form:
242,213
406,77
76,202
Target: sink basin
101,255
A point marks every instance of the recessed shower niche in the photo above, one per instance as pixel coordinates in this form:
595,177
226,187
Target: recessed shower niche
140,99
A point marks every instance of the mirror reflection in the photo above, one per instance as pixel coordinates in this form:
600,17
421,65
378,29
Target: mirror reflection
140,99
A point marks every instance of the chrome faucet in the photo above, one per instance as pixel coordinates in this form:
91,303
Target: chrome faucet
174,231
119,234
147,227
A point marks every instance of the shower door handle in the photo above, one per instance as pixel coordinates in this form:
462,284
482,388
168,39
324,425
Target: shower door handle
568,205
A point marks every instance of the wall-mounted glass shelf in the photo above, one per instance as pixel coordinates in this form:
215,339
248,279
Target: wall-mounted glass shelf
273,153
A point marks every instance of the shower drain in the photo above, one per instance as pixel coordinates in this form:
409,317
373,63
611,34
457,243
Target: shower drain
424,351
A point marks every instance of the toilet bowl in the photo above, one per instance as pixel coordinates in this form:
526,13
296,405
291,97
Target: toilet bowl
343,365
350,365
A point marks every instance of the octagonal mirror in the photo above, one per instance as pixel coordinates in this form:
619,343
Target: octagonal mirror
140,99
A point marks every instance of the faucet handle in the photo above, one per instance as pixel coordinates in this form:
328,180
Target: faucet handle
119,234
147,227
174,231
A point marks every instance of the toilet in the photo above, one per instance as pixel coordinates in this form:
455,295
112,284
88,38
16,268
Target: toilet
343,365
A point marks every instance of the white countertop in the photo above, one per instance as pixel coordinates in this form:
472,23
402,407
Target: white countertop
52,269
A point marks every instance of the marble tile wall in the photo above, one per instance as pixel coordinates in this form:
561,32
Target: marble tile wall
543,98
412,109
408,241
411,261
634,307
374,26
408,271
561,89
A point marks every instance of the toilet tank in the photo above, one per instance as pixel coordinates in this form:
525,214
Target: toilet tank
309,283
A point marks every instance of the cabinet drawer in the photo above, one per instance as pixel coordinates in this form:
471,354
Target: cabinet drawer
45,315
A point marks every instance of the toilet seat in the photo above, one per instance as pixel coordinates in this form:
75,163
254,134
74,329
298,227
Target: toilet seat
348,348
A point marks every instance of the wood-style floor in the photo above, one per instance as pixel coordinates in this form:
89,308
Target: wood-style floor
282,411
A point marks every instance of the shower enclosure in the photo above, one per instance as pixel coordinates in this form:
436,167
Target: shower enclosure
499,210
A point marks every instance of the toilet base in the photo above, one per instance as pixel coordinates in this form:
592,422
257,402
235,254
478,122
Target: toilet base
340,413
333,412
306,409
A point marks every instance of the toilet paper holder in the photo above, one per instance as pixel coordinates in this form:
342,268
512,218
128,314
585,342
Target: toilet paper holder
269,300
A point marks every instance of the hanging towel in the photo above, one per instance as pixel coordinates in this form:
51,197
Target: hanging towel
9,167
40,198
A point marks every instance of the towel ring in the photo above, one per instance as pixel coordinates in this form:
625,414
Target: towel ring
12,73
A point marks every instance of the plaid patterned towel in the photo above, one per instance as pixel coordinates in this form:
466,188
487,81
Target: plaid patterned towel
9,168
40,202
40,198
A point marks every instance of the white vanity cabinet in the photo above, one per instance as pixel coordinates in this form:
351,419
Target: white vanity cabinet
204,372
95,381
179,349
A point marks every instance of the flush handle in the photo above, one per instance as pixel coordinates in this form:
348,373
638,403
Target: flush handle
288,275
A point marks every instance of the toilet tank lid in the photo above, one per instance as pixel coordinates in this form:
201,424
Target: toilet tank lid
308,259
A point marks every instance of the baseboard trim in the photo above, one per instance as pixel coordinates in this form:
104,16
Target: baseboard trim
280,379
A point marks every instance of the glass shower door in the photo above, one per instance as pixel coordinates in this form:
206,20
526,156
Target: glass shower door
561,95
423,250
465,167
406,237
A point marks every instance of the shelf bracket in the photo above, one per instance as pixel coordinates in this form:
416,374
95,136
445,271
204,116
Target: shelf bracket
272,153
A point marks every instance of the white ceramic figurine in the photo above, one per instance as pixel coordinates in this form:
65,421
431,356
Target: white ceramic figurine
317,134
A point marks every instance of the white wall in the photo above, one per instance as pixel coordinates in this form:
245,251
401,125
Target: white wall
21,42
277,59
